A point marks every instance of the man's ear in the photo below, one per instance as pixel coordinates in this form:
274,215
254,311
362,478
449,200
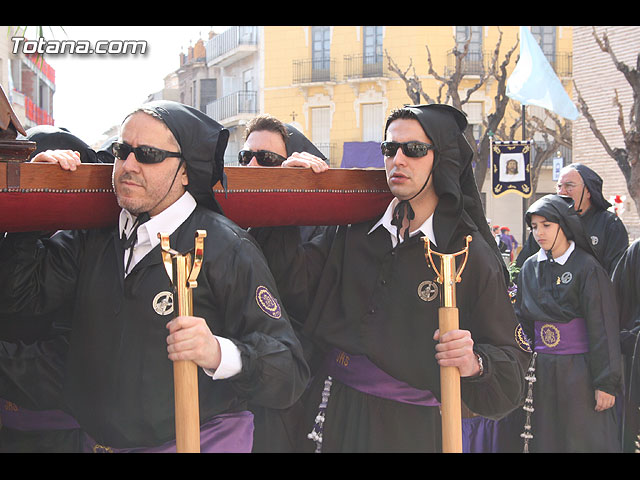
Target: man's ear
183,175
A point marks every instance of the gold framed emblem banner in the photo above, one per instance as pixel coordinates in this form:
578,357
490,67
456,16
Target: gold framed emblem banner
511,168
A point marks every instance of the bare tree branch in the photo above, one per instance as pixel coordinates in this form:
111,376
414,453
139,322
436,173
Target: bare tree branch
412,84
449,88
618,154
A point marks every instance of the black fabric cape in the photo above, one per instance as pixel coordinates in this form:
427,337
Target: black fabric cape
39,343
297,142
275,430
119,382
362,297
48,137
564,419
359,294
626,281
606,232
202,141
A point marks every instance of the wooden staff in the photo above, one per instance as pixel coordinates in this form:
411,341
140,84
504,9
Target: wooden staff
185,372
451,403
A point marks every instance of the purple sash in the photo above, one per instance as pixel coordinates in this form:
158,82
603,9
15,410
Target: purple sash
562,338
225,433
18,418
358,372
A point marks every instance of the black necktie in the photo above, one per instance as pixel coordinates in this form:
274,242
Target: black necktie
403,210
130,242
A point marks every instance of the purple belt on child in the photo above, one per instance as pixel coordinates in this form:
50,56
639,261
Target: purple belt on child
358,372
562,338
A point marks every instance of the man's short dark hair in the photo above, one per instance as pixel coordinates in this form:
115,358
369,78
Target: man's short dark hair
268,123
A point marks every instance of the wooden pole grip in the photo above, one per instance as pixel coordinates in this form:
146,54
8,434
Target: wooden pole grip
451,408
187,407
185,375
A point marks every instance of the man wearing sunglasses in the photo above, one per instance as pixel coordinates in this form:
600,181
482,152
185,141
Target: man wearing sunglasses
271,143
372,301
118,382
607,234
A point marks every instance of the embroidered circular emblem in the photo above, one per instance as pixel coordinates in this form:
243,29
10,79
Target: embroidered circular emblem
267,302
163,303
566,277
550,335
594,240
428,290
521,339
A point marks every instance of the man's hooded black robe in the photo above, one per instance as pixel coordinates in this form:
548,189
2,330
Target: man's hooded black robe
118,381
606,232
361,295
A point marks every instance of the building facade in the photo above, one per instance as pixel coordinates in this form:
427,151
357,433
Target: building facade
334,84
28,81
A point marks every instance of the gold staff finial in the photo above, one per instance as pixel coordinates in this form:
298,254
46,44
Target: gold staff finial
183,277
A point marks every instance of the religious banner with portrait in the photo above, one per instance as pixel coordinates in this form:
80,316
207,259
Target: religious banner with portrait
511,167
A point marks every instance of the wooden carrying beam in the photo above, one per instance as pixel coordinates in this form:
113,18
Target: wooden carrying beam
38,196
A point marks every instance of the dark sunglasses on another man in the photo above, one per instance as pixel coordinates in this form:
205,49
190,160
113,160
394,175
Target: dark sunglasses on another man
144,154
264,158
410,149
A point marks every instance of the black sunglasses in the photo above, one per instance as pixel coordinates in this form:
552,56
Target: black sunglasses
143,153
265,158
410,149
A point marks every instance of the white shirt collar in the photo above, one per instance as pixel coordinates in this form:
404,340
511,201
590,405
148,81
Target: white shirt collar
426,228
166,222
542,254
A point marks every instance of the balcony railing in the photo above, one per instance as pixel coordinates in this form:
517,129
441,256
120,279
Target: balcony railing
232,105
477,63
36,114
327,149
364,66
473,63
562,63
231,39
309,71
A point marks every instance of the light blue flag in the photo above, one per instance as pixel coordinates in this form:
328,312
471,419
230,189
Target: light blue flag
534,82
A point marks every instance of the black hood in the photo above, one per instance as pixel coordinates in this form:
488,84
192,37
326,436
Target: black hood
560,209
202,141
459,211
297,142
593,182
48,137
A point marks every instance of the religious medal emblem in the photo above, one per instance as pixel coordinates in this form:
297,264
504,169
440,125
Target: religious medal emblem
163,303
566,277
521,339
428,290
267,302
550,335
594,240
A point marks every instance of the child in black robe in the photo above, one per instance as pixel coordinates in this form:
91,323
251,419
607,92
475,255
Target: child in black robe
567,309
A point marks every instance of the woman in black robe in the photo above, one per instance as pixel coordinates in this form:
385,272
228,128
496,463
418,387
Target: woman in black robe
567,309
